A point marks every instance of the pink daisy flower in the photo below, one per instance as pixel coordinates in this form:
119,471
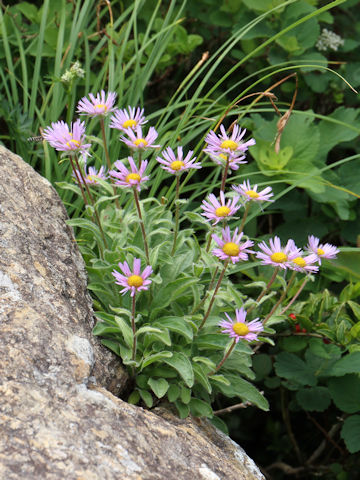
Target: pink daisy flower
321,250
138,141
234,162
217,211
91,176
99,105
125,119
304,264
230,246
240,329
129,178
135,281
65,139
276,255
229,145
250,193
176,163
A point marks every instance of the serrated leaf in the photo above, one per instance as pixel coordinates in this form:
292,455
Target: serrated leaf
291,367
348,364
156,357
314,399
345,391
183,366
350,433
159,386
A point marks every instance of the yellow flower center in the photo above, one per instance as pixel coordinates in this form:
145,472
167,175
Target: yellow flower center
75,143
320,251
241,328
140,142
278,257
132,176
135,281
231,249
102,105
177,165
130,123
299,261
229,144
252,194
224,157
92,178
222,211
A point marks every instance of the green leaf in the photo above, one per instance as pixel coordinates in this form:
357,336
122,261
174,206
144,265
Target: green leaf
177,325
201,377
345,392
314,399
220,379
185,395
293,343
125,330
183,409
355,307
147,329
205,361
134,397
199,408
146,398
245,390
182,365
291,367
156,357
350,433
173,393
347,364
159,386
213,341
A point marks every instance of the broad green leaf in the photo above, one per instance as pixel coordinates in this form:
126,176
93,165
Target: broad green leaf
220,379
201,377
125,330
177,325
147,329
245,390
314,399
183,366
205,361
146,397
159,386
345,392
213,341
293,343
102,328
113,346
291,367
185,395
173,393
183,409
134,397
156,357
350,433
348,364
199,408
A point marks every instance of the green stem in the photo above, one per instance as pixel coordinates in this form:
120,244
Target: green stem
214,294
137,203
107,156
196,308
91,198
133,328
225,174
306,279
209,241
225,357
247,208
281,298
76,173
271,281
177,213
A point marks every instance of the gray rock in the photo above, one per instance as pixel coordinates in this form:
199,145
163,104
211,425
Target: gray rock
61,417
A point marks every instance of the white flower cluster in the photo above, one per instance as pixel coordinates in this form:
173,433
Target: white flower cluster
328,40
75,72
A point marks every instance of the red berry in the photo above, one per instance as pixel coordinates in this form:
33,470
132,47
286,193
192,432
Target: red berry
292,316
297,328
326,341
304,330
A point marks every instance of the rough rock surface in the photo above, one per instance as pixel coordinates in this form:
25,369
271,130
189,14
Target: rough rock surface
59,414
